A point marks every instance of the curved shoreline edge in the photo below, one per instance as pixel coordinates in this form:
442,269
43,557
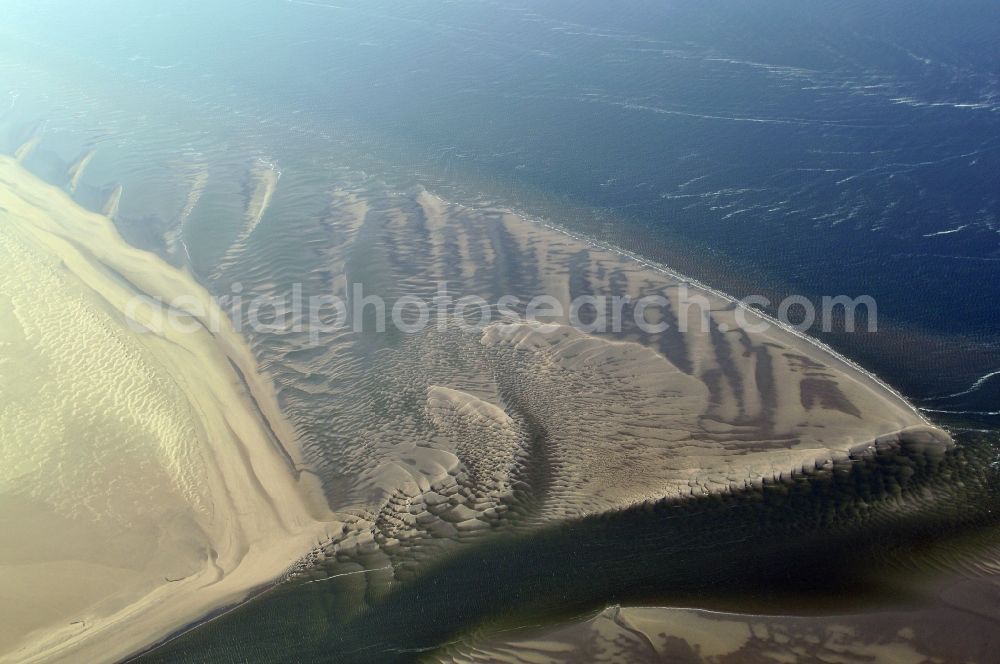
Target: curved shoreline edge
203,506
682,278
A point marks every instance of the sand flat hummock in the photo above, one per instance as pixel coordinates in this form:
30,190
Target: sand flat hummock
143,481
448,435
609,419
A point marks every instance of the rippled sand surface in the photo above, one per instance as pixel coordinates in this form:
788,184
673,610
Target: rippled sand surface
446,433
448,453
422,442
446,437
144,478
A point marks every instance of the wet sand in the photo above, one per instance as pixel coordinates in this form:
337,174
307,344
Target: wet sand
445,442
593,422
653,634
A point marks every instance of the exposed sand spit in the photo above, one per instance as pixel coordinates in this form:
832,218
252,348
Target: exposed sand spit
197,177
626,426
144,482
447,435
77,168
262,183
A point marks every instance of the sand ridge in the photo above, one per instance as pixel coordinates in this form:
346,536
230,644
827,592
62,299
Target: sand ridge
404,428
146,481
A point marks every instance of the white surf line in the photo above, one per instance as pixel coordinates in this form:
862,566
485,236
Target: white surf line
193,198
362,571
982,259
948,232
663,269
315,4
896,168
962,412
184,246
975,386
802,122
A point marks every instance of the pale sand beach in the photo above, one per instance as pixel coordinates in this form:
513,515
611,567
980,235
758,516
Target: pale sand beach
147,479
